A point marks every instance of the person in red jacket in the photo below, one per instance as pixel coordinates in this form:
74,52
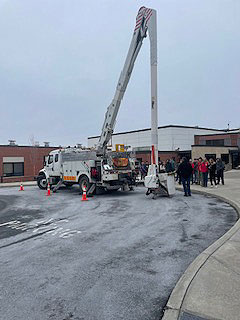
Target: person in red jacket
204,170
193,176
200,178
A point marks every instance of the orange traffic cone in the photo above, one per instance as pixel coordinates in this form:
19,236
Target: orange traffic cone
48,190
21,187
84,195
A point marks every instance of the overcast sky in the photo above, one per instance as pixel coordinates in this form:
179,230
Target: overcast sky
60,61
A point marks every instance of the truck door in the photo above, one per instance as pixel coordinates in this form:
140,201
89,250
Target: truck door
56,164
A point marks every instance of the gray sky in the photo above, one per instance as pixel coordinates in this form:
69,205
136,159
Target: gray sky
60,61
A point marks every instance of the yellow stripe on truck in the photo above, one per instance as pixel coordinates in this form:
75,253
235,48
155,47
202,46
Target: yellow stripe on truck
69,178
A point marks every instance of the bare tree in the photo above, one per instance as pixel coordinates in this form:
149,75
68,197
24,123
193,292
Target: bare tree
33,152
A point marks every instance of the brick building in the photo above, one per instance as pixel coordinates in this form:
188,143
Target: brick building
21,163
222,145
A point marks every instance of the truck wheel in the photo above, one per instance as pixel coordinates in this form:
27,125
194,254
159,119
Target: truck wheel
42,182
84,182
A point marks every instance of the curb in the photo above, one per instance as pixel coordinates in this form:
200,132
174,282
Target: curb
11,185
175,301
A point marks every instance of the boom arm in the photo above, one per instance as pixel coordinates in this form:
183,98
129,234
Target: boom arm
145,20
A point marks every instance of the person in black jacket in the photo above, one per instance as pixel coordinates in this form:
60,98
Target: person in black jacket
220,169
168,166
185,171
212,172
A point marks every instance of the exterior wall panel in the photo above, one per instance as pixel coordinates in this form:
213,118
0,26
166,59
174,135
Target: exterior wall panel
169,138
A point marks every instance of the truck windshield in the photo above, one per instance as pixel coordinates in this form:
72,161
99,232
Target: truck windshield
50,159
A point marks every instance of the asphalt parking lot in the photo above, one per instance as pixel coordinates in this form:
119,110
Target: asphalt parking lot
117,256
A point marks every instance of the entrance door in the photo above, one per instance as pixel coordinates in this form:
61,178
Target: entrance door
235,159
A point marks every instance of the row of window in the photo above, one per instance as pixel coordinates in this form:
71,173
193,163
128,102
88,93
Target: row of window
224,157
12,169
217,142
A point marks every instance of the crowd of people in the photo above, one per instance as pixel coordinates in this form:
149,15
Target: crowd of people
199,171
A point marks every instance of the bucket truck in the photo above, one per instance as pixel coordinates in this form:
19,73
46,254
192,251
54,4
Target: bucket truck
99,167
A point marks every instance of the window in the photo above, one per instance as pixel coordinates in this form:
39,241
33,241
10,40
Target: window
225,158
11,169
56,157
217,142
44,160
50,159
210,156
7,169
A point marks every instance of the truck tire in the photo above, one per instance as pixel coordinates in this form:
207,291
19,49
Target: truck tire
84,181
42,181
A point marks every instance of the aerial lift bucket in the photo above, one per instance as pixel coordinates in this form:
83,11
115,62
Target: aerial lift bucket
159,183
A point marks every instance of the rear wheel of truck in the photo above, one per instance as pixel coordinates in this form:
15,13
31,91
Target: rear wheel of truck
84,182
42,181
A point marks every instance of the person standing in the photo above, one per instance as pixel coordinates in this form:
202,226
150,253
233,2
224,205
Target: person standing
178,177
185,172
173,164
161,167
212,172
195,171
143,170
168,166
204,170
220,170
200,176
191,163
147,165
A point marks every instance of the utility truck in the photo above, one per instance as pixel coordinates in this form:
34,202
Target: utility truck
100,167
71,166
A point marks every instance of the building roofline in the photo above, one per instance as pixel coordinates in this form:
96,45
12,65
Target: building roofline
160,151
206,146
18,146
218,134
163,127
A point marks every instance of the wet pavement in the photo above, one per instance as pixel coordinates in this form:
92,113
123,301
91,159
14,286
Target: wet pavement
117,256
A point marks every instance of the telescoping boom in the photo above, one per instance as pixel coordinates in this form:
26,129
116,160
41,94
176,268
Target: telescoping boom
145,23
